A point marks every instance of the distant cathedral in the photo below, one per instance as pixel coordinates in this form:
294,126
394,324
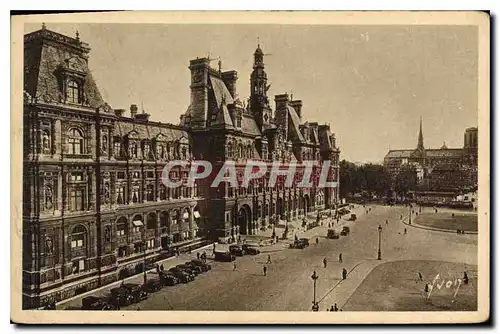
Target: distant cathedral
452,170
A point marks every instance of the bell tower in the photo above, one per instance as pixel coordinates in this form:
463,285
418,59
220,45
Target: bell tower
259,103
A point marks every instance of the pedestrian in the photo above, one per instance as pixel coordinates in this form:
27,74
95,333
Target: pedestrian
344,274
466,278
264,269
420,277
161,267
386,222
331,308
296,238
426,288
234,266
405,231
340,258
335,308
214,247
325,262
198,255
317,241
268,259
400,217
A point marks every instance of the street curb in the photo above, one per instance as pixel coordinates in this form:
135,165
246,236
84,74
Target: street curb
435,229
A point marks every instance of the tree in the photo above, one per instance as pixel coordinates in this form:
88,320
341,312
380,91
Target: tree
369,178
405,180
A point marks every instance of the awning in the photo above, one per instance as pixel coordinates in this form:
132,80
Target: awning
196,214
185,215
137,223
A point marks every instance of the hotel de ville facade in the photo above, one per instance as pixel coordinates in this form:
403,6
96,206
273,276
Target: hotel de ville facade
94,205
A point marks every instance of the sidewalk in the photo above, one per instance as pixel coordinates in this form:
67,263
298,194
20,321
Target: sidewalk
416,225
76,301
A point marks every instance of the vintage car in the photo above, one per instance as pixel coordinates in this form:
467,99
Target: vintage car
152,285
345,230
136,291
250,249
96,303
332,234
224,257
305,241
181,275
298,244
353,217
189,270
121,296
167,278
205,266
198,269
236,250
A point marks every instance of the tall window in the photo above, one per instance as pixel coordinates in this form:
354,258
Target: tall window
150,193
73,92
75,142
118,147
120,195
78,237
76,200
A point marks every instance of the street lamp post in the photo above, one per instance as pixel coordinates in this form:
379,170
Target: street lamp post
379,242
315,306
409,214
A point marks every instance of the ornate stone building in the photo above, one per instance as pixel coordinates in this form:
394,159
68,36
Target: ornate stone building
94,206
444,170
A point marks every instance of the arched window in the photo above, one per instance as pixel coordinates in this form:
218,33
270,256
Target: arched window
78,236
75,142
73,92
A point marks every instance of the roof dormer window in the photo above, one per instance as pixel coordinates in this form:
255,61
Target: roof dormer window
73,92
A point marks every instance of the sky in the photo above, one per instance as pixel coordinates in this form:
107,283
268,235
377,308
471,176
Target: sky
370,83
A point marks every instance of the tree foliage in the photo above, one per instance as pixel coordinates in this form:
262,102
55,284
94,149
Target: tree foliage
370,179
405,180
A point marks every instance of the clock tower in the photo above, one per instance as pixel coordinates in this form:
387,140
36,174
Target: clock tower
259,103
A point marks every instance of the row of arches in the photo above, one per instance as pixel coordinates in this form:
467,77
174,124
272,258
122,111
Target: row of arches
247,219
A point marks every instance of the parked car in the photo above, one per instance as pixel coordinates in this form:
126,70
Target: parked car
205,266
167,278
96,303
332,234
345,231
250,250
188,269
224,257
298,244
236,250
305,241
121,296
353,217
181,275
136,291
152,285
198,269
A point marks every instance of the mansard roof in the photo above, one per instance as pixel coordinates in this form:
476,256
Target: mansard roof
45,55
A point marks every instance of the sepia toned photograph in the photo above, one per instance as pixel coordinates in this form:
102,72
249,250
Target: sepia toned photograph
202,167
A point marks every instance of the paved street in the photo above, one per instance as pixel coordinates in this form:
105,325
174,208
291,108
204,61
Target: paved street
288,285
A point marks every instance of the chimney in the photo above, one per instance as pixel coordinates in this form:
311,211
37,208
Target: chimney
199,91
230,78
142,117
119,112
281,115
297,105
133,110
